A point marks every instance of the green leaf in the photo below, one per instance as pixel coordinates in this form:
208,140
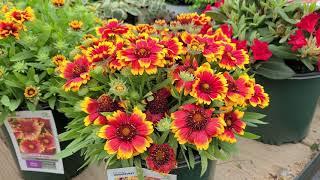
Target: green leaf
282,52
204,163
52,102
217,15
184,155
22,56
14,104
3,116
163,137
308,64
253,115
191,158
275,70
284,15
5,100
250,135
31,106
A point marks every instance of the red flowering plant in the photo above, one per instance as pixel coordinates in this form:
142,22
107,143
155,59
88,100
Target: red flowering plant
154,95
280,35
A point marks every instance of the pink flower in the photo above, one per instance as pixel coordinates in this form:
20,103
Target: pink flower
218,3
208,8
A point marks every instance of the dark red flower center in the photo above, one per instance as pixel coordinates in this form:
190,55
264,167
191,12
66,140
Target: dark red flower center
142,53
78,70
126,132
197,120
160,155
17,15
205,87
232,87
106,104
8,27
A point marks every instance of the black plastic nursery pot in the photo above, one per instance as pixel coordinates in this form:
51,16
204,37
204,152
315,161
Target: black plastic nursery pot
291,109
71,164
184,173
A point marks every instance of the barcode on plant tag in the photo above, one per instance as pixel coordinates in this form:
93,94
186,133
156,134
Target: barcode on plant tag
49,165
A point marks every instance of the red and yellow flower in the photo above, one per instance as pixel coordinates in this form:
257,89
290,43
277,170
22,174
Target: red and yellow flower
161,158
239,90
145,28
195,125
174,48
143,55
19,16
76,73
9,28
208,86
127,135
111,28
188,66
59,60
233,58
259,98
100,52
95,107
30,146
233,125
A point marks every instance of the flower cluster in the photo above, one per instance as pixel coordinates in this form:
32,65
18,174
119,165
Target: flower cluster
14,21
306,39
152,88
34,135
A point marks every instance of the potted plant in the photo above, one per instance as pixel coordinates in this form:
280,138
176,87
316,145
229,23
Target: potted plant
171,96
283,40
32,33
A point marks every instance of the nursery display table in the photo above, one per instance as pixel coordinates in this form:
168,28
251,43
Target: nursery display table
255,160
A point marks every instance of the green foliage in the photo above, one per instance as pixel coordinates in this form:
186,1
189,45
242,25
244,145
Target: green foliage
144,10
26,61
196,4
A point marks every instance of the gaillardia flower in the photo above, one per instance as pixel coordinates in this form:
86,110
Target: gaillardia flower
31,92
233,125
195,125
19,16
9,28
59,60
127,134
101,51
76,73
143,55
30,146
233,58
58,3
208,86
158,107
111,28
76,25
259,98
94,108
161,158
239,90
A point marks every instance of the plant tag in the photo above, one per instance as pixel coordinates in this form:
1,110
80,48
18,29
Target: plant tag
35,140
131,173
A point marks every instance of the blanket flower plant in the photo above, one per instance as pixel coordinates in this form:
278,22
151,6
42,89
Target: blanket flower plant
153,95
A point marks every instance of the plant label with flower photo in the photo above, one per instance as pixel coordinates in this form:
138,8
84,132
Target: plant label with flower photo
35,140
131,173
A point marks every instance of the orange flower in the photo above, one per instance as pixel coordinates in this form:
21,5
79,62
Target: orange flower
259,98
58,3
59,60
101,52
76,25
111,28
